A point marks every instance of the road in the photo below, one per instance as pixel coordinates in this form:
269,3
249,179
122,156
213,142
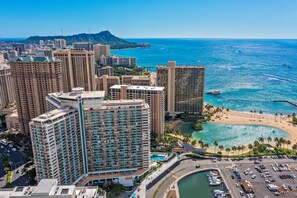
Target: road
18,161
189,165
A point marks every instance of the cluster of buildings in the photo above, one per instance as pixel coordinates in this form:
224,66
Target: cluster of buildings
88,126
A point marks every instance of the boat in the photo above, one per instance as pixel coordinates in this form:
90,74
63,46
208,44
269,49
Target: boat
219,193
213,179
215,93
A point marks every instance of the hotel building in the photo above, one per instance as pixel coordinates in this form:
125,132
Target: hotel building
103,83
60,43
78,67
113,138
34,77
184,87
101,50
154,96
7,91
107,70
136,80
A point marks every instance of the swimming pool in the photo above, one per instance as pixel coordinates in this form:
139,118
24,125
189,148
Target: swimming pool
159,157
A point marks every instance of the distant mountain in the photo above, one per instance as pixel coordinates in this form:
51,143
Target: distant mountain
104,37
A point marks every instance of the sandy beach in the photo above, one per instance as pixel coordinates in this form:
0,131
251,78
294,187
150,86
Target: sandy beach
247,118
235,117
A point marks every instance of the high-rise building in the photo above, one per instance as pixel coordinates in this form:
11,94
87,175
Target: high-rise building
154,96
184,87
7,91
1,57
19,48
118,61
34,77
78,69
101,50
49,188
103,83
60,43
113,138
136,80
83,45
107,70
56,140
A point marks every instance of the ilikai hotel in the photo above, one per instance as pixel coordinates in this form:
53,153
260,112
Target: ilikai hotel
86,140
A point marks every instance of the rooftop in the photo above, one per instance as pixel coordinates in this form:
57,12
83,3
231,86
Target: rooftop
51,115
4,66
76,93
135,87
45,186
32,58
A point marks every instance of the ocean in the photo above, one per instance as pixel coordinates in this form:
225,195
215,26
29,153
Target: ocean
249,73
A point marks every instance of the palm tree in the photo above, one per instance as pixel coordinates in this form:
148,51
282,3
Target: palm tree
238,149
269,139
206,145
288,142
221,147
215,144
294,147
256,143
234,149
200,142
242,148
276,140
250,146
194,142
282,141
228,150
275,116
261,139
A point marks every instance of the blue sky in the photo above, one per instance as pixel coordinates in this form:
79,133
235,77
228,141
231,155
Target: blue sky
151,18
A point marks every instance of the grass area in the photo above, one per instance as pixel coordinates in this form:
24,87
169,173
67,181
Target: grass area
161,184
9,177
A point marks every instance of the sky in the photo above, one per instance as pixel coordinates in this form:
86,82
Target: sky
151,18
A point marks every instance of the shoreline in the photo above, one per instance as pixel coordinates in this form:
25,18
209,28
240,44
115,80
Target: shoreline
247,118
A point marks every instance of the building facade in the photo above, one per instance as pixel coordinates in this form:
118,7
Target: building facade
78,68
107,70
7,91
114,137
136,80
118,61
34,77
103,83
101,50
184,87
60,43
154,96
83,45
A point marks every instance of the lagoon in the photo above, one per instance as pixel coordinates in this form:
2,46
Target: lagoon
232,135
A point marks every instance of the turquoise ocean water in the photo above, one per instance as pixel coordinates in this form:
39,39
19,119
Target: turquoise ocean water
249,73
232,135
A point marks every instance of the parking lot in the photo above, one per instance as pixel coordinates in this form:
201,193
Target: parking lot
280,174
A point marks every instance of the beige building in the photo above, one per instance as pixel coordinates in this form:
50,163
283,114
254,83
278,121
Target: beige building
12,121
60,43
101,50
78,68
136,80
184,87
103,83
1,57
154,96
7,90
107,70
34,77
49,188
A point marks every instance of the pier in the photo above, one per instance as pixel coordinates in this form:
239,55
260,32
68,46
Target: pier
286,101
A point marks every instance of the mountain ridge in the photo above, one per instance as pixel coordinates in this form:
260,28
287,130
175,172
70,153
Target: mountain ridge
103,37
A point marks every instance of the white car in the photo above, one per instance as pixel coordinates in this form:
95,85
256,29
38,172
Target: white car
10,145
13,149
253,176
